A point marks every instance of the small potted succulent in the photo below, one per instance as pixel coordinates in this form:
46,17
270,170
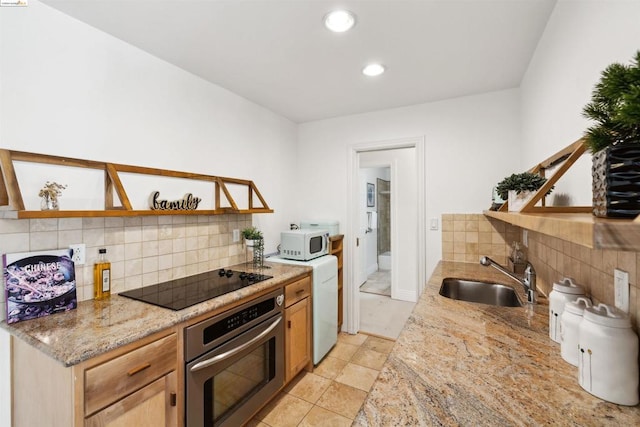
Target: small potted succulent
519,188
614,140
49,194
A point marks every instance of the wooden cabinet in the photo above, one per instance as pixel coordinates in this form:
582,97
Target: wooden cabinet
336,249
135,385
152,405
298,328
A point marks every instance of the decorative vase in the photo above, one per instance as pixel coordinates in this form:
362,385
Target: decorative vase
48,203
518,200
616,181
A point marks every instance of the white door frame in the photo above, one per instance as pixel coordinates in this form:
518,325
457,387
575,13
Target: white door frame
352,300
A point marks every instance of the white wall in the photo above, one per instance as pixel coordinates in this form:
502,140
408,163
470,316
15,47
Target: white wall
471,144
71,90
580,40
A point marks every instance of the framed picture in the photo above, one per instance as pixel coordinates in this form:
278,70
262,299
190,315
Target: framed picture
371,195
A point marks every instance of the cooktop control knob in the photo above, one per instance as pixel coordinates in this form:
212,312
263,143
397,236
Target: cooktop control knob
221,272
243,275
229,273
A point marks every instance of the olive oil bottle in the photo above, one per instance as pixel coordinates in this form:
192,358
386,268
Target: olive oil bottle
102,276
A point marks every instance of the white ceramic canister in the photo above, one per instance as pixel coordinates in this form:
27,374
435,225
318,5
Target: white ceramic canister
608,358
569,321
562,293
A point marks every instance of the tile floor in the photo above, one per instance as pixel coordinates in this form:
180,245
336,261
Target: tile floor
333,393
378,282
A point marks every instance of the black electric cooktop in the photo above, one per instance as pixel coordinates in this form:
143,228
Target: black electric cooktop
187,291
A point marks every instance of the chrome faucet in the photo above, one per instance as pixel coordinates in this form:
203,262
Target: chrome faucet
529,280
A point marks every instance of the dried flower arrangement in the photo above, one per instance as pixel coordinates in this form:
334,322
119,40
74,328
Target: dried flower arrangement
52,190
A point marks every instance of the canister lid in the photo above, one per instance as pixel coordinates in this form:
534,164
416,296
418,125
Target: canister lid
577,306
566,286
607,315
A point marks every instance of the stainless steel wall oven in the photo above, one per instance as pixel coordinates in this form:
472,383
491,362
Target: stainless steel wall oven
234,362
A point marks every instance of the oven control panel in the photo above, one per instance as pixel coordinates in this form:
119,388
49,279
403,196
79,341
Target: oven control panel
222,327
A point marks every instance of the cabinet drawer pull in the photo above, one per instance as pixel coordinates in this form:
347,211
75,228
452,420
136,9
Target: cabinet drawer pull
137,369
299,291
172,399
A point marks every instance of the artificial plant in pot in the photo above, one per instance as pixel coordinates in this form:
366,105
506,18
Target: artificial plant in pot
518,188
251,234
253,239
614,141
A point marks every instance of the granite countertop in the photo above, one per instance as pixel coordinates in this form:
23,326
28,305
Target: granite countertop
460,363
96,327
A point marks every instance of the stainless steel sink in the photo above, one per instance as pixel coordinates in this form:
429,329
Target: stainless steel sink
481,292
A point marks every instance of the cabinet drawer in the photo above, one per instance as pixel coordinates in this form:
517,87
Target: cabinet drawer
296,291
112,380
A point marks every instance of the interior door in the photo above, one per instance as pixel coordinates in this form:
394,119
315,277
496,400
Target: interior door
361,235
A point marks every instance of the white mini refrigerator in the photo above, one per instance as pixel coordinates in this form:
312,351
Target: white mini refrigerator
325,302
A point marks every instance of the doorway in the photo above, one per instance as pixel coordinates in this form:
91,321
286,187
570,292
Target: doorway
385,216
377,182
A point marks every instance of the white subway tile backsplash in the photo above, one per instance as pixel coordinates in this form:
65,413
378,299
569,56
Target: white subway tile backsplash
149,221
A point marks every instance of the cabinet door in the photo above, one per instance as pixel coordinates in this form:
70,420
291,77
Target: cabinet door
297,338
152,406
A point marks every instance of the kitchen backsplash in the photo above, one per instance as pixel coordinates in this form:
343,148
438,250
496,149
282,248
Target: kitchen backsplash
467,237
142,250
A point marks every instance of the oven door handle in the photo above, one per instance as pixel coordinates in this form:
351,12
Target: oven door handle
222,356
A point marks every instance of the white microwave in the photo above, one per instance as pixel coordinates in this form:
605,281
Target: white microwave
304,245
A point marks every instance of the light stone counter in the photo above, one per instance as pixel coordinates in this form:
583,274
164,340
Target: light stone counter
460,363
96,327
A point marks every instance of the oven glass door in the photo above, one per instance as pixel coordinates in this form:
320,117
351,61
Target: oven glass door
245,373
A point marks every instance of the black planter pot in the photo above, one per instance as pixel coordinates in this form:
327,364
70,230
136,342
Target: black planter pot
616,181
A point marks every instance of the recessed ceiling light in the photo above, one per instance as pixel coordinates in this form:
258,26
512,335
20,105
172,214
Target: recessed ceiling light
339,21
373,70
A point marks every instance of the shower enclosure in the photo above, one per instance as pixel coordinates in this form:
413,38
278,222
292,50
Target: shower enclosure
384,223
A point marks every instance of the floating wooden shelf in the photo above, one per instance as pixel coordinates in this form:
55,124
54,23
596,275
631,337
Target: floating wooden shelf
12,204
583,229
575,224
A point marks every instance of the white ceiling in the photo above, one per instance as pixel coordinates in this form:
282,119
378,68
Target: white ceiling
278,54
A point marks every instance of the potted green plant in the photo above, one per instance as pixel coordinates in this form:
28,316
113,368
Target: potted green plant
251,234
614,140
518,188
253,239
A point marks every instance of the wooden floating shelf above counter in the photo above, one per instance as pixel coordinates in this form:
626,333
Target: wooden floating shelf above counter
12,204
574,224
580,228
